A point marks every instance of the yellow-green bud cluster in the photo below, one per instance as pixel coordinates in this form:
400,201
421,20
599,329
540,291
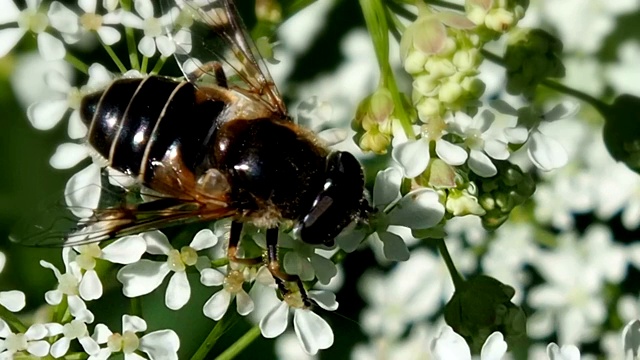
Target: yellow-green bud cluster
495,17
373,122
532,55
481,306
443,57
500,194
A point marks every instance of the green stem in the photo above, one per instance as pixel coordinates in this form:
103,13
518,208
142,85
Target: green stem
159,64
136,306
228,320
115,58
458,280
145,62
77,63
12,320
601,106
246,339
375,17
131,40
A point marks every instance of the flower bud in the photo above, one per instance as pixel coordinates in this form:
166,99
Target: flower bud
621,130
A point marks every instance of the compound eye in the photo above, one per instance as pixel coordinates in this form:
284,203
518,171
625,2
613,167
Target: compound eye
336,205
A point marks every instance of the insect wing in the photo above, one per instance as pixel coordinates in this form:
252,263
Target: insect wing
210,31
118,212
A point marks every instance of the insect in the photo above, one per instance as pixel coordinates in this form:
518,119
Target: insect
218,143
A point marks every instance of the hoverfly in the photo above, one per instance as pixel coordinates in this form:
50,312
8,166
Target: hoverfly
218,143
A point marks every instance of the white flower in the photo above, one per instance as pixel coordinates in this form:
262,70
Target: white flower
413,156
449,345
159,345
571,301
46,114
154,28
480,141
232,283
68,285
313,332
419,209
144,276
545,152
406,295
66,21
566,352
125,250
76,329
30,341
301,259
31,19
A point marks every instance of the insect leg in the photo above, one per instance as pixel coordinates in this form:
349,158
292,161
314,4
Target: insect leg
278,274
234,239
208,68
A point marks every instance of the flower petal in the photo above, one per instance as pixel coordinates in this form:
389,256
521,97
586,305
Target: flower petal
545,152
53,297
98,76
68,155
60,347
157,242
394,247
147,46
38,348
204,239
217,305
419,209
46,114
275,322
449,345
90,286
133,323
631,338
125,250
109,35
76,128
101,333
161,345
89,345
349,239
13,300
211,277
324,268
313,332
88,6
9,13
78,309
9,38
413,157
450,153
178,291
62,18
494,347
142,277
497,149
386,189
325,299
244,303
50,48
166,46
563,110
82,192
480,164
566,352
144,8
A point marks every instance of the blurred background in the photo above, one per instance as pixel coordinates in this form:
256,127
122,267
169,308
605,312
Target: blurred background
325,51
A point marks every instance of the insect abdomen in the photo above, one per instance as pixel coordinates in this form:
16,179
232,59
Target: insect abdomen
134,123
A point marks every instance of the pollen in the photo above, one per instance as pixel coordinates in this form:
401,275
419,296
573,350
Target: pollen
91,22
294,300
188,255
233,282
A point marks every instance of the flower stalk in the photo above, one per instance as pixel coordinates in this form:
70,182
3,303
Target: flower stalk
244,341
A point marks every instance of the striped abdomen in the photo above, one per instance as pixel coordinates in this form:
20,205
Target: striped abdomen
136,123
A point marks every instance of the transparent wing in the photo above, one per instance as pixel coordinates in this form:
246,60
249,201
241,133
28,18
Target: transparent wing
119,212
207,32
